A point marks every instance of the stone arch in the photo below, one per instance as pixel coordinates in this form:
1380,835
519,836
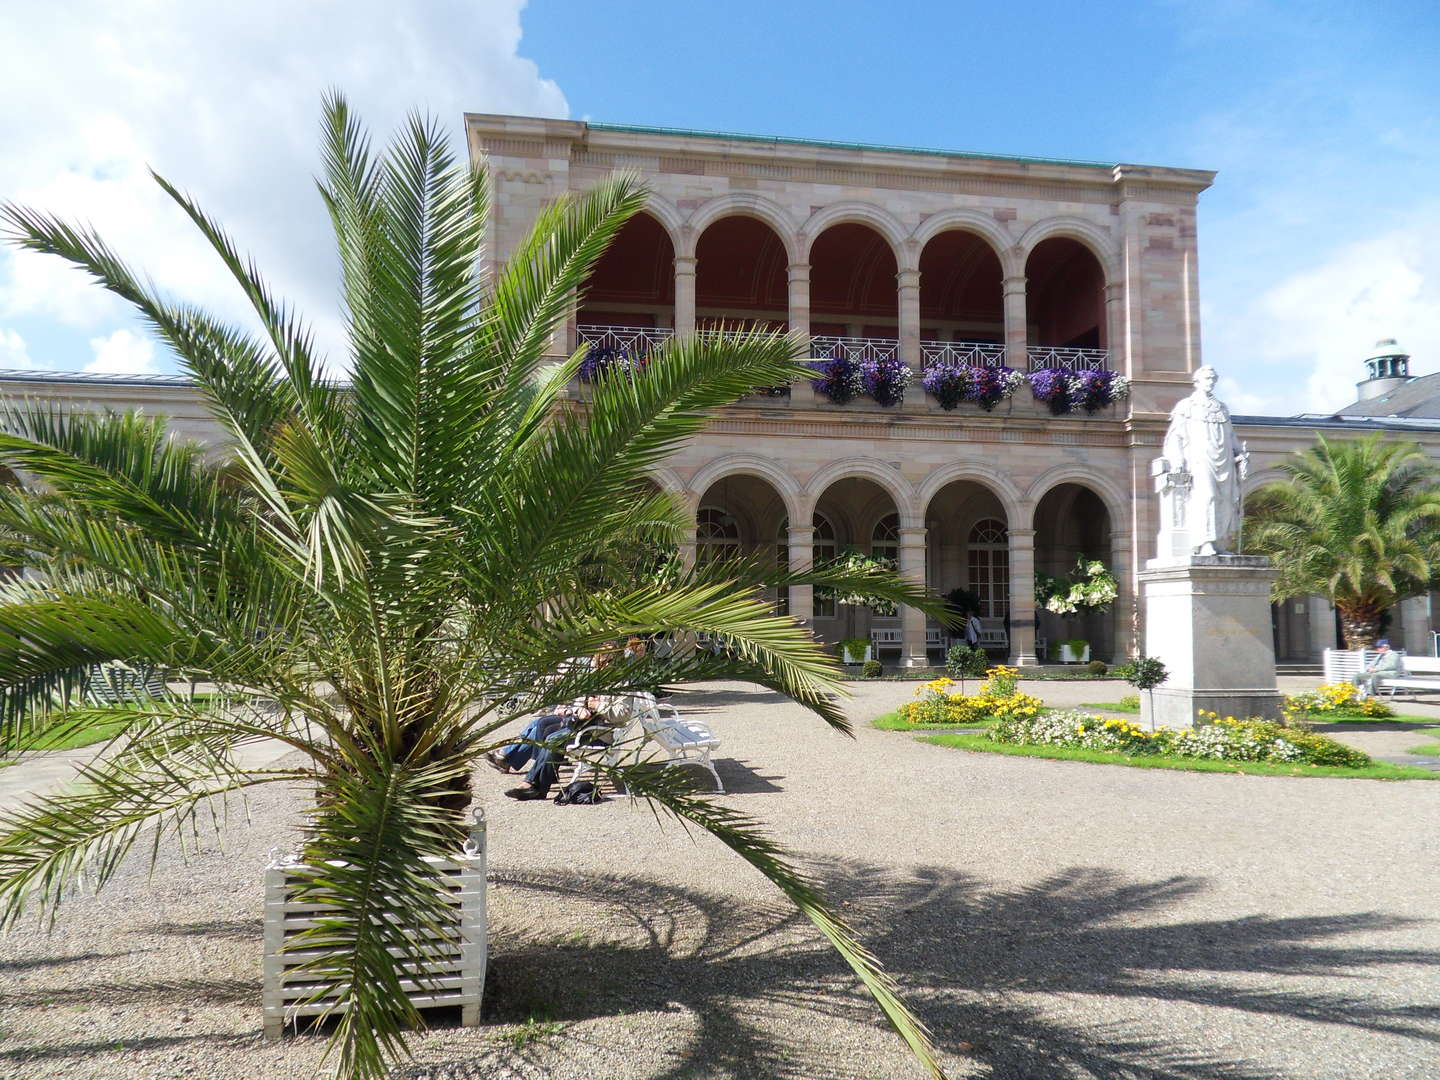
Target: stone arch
765,469
742,204
670,219
1255,481
972,221
889,480
1093,237
977,472
1116,502
863,213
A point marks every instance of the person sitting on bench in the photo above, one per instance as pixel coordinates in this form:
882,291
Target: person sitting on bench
1385,665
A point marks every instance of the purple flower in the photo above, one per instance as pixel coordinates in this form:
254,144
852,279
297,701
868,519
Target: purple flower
1094,389
602,360
1052,386
838,379
885,380
948,384
990,385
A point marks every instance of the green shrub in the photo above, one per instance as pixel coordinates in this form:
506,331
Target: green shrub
851,647
1130,702
1097,667
873,669
964,662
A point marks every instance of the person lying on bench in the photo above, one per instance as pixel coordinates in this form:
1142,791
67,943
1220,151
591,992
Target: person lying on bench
1385,665
546,759
541,729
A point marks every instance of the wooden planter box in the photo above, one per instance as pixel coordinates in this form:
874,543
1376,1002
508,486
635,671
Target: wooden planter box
456,974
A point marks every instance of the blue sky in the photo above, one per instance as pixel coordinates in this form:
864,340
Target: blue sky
1321,233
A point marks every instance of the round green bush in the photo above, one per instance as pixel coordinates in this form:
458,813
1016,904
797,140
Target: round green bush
873,669
964,662
1097,667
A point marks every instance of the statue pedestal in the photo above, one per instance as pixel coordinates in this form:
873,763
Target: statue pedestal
1207,619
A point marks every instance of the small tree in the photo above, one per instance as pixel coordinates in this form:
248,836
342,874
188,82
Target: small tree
1144,673
964,661
1357,522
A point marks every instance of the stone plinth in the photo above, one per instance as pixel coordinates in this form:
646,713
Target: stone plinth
1207,619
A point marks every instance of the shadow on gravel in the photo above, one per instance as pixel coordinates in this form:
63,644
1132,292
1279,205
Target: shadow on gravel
715,699
621,945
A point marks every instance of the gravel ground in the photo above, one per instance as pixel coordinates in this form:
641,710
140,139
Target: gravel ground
1048,919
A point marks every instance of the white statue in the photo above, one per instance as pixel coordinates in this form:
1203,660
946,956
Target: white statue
1199,476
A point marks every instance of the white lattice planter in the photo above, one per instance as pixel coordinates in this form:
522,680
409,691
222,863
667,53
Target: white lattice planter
453,978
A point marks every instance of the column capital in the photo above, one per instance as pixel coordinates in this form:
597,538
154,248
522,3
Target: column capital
908,279
685,264
800,534
1011,285
799,271
1022,534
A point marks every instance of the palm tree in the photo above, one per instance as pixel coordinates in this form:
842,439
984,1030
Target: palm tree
378,566
1355,521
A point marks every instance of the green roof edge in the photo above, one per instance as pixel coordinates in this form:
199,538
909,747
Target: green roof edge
641,129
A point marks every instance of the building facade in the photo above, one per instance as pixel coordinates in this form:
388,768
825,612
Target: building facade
889,254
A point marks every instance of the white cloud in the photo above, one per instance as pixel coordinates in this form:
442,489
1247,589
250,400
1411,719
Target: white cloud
123,352
1321,323
224,100
14,353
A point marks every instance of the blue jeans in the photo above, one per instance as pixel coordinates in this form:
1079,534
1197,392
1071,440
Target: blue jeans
540,729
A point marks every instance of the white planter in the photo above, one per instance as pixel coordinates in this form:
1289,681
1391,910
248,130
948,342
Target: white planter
1071,655
850,658
456,975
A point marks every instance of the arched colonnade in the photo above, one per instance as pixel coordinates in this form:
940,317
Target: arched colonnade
959,285
967,527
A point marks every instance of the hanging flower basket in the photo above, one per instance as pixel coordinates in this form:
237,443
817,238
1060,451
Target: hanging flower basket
885,380
951,384
1065,391
838,379
603,360
1090,586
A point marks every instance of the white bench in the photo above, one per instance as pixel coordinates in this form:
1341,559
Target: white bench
892,639
685,742
1421,672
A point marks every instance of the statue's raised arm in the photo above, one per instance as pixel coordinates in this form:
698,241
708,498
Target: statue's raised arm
1199,476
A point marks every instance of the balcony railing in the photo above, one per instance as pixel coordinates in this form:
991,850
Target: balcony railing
634,340
961,354
857,349
1050,356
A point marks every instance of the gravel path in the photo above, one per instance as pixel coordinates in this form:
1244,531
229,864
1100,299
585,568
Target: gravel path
1048,919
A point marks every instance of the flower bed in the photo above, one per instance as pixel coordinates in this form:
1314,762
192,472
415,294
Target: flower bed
940,704
1065,391
1336,701
950,384
1219,739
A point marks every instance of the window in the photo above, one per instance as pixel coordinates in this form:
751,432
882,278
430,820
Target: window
989,564
717,534
885,540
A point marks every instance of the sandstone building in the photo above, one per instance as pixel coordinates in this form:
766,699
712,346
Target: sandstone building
925,257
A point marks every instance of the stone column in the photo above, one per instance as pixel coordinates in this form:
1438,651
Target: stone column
801,392
800,540
912,620
1115,323
1124,609
1017,333
908,290
687,547
684,295
1322,628
1415,625
1022,598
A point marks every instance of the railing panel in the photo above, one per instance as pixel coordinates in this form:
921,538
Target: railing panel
635,340
961,354
854,348
1053,356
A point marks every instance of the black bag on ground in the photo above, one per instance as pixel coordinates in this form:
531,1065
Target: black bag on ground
580,793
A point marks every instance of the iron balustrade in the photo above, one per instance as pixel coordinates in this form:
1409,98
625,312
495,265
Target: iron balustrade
961,353
857,349
1052,356
634,340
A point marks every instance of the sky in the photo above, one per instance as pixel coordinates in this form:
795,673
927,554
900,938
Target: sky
1320,235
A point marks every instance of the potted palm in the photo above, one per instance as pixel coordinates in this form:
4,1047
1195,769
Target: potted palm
364,579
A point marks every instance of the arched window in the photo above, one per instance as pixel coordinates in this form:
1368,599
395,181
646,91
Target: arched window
717,534
885,540
989,564
823,549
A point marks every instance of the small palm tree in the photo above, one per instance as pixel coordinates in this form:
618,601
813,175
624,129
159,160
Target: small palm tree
1355,521
378,567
